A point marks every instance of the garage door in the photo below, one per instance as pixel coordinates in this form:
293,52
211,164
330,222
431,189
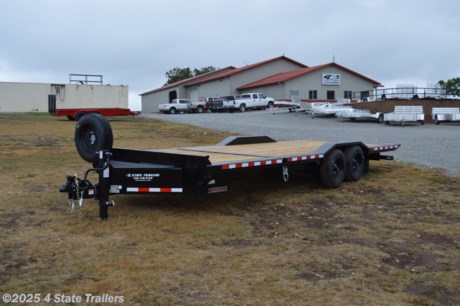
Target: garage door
194,94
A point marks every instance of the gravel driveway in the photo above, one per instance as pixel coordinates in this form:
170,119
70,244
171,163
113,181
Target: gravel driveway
429,145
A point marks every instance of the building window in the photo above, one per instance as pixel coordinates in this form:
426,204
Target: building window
313,94
347,94
331,95
364,95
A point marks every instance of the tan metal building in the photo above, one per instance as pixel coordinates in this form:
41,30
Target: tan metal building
33,97
218,83
318,83
281,78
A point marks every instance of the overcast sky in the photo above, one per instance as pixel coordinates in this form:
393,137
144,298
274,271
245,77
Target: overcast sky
134,42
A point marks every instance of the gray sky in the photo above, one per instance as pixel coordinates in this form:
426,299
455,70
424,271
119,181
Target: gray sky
134,42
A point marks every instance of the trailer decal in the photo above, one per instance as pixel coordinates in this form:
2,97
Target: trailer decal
153,190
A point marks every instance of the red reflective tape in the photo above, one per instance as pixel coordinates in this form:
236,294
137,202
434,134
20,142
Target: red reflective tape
165,189
225,167
143,189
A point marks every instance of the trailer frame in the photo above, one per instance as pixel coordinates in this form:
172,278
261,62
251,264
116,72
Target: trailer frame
206,169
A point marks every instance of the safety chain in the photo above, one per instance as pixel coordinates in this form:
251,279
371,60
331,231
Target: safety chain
78,199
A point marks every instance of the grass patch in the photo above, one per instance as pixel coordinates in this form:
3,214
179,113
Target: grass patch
391,238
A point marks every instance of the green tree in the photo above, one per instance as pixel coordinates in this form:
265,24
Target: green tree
178,74
452,86
203,70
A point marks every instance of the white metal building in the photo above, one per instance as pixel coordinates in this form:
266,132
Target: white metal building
33,97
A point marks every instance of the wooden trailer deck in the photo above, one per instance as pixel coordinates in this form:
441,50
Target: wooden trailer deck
310,149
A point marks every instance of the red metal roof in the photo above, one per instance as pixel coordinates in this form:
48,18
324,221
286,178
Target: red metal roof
194,78
218,74
245,68
285,76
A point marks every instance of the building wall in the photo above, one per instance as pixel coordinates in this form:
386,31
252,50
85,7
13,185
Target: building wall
29,97
313,81
261,72
217,88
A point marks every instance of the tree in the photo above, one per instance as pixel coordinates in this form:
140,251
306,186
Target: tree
178,74
452,86
203,70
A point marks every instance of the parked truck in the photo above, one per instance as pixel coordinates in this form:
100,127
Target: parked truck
175,106
206,169
182,106
249,101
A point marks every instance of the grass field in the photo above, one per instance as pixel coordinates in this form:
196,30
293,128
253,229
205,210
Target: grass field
390,239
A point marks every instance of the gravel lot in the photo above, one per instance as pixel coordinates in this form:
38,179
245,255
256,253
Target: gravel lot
429,145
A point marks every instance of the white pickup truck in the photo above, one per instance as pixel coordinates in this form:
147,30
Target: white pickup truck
182,105
249,100
175,106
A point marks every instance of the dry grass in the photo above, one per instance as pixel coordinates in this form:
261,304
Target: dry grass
390,239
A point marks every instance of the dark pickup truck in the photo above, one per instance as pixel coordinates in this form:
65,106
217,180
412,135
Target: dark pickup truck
218,105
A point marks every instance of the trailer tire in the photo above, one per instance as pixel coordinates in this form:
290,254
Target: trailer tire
79,115
93,134
355,163
332,169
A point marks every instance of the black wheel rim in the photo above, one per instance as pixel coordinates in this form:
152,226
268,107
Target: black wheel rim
89,140
336,169
356,164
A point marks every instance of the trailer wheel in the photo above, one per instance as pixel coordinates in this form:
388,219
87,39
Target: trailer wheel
355,163
93,134
332,169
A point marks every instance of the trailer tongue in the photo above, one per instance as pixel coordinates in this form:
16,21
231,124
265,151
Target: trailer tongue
206,169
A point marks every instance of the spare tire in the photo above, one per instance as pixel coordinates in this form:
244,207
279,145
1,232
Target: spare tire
93,133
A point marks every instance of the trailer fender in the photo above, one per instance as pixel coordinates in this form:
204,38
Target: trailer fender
333,168
93,134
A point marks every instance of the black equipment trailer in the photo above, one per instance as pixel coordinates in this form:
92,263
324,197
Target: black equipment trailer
205,169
